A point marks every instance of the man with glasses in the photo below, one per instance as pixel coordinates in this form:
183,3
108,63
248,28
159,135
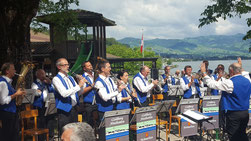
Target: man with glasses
141,85
66,94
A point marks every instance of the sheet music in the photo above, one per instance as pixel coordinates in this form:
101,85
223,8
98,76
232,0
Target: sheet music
187,119
195,115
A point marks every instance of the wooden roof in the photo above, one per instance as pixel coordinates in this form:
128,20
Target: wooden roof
85,17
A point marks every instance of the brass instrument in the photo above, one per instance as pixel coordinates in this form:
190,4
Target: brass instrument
26,67
157,88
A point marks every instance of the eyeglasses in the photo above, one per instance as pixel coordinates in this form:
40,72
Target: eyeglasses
64,65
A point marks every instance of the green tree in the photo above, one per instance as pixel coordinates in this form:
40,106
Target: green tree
124,51
226,9
15,19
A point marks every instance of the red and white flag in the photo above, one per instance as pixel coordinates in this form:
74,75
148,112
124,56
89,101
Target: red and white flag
142,44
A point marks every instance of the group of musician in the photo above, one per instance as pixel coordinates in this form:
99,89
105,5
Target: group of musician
107,92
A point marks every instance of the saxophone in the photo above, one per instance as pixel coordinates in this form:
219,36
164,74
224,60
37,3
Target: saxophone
26,67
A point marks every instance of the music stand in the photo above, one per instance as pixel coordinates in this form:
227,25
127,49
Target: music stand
175,90
184,102
115,125
198,117
203,91
51,108
29,97
164,107
145,119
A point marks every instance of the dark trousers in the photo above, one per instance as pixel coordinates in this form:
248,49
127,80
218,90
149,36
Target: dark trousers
66,117
236,124
9,126
41,122
165,96
88,114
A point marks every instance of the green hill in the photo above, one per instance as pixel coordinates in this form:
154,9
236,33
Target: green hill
202,47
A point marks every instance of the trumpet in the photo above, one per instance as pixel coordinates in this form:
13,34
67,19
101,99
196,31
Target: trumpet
158,88
79,77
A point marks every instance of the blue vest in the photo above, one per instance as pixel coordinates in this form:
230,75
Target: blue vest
125,104
88,98
238,100
165,86
61,102
11,107
214,91
188,93
141,96
38,101
104,106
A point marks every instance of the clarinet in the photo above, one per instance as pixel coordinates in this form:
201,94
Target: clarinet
127,90
81,77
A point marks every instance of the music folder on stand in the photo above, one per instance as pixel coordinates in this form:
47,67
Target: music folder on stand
29,96
164,107
198,117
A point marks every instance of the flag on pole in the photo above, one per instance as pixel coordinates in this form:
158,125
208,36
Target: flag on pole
142,44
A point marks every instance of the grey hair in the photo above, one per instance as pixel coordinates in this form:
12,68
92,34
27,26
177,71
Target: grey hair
58,62
236,68
81,131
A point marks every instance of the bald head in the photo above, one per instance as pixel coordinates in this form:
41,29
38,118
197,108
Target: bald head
40,74
144,70
234,69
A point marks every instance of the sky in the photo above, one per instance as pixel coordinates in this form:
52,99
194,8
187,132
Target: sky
164,19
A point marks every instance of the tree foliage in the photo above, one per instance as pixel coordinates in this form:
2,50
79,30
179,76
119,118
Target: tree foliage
226,9
62,18
124,51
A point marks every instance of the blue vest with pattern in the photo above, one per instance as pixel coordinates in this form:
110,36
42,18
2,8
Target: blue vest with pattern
11,107
141,96
238,100
165,86
104,106
61,102
88,98
188,93
125,104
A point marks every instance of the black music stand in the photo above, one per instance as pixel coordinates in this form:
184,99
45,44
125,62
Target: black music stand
51,109
164,107
175,90
198,117
29,97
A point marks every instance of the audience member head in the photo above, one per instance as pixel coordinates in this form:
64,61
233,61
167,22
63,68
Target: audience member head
8,69
62,65
220,68
123,75
145,71
87,66
167,69
78,131
104,68
188,70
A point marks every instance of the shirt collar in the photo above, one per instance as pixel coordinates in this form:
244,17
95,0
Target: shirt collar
62,75
103,77
7,79
87,74
142,76
39,81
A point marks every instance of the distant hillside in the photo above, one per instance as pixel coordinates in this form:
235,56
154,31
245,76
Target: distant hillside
202,47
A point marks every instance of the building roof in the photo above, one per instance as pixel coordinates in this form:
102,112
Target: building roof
39,37
41,49
85,17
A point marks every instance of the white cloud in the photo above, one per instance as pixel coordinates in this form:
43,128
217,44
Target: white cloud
159,18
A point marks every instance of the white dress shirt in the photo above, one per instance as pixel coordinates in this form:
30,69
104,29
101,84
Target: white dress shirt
85,85
4,92
60,88
45,90
140,85
102,90
224,85
185,86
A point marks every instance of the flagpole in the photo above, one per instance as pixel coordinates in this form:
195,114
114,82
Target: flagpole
143,45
